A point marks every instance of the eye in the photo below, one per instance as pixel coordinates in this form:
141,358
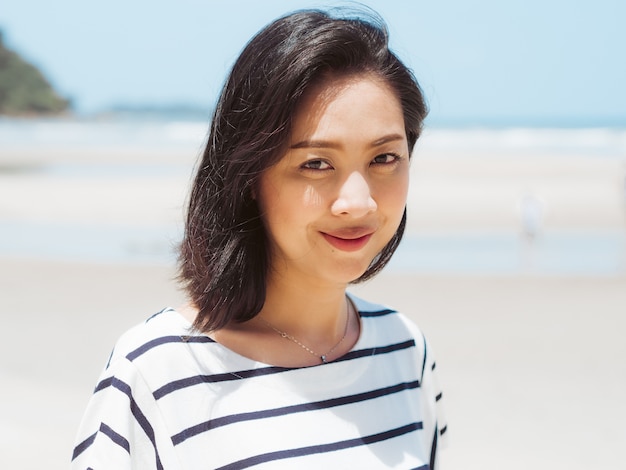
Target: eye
319,165
385,159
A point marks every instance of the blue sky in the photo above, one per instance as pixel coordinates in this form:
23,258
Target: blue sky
483,60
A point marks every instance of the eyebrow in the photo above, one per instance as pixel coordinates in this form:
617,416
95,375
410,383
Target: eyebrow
320,144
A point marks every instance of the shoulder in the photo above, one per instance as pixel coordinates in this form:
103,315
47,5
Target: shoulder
389,324
152,354
160,335
383,325
390,320
123,427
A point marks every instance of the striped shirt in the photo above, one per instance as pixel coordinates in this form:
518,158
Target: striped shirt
171,399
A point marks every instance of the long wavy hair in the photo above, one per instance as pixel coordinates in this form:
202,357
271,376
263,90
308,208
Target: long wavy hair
224,256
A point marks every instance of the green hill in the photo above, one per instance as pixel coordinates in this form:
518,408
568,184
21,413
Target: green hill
24,91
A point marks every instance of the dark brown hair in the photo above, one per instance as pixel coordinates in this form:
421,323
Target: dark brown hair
224,254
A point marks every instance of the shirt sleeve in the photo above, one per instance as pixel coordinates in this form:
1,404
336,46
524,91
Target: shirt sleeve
434,415
122,427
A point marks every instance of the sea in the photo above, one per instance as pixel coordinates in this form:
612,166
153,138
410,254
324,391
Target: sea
583,252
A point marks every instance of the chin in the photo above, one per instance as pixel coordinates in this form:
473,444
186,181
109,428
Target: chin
350,272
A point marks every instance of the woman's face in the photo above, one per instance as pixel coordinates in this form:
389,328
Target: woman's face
337,196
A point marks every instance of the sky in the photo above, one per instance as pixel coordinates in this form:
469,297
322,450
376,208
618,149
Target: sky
531,61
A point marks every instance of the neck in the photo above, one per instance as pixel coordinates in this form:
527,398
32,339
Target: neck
318,317
305,310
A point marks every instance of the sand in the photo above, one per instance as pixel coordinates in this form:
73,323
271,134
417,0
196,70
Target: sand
533,367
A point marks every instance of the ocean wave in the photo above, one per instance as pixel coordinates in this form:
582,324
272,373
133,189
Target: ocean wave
191,134
588,141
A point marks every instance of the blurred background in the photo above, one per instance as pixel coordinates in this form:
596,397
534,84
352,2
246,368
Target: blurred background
514,261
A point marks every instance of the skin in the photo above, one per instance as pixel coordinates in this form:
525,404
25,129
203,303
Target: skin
329,206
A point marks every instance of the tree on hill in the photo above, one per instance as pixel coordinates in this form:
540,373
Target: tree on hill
23,88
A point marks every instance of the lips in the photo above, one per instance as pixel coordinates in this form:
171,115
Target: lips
349,239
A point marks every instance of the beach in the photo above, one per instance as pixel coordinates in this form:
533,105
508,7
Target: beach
531,358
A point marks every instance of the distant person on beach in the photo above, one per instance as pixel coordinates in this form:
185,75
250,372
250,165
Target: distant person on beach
300,192
531,213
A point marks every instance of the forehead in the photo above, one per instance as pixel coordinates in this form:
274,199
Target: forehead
338,106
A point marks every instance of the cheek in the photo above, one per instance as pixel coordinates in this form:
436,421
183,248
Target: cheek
393,197
312,199
296,200
289,204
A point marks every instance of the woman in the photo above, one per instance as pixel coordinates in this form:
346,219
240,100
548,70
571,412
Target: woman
301,191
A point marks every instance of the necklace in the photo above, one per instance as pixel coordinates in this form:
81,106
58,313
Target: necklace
323,357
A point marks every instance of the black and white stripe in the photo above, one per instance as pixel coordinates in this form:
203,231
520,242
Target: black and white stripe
196,405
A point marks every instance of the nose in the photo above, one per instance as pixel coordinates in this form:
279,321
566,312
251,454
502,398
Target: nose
354,198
